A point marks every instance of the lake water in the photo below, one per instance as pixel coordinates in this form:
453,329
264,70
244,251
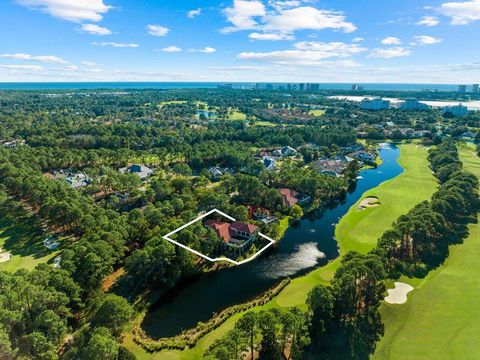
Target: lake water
471,105
308,245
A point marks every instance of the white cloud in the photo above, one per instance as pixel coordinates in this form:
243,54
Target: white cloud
23,67
243,13
391,40
427,40
39,58
70,10
115,44
283,17
307,53
192,13
307,18
390,52
358,39
337,49
88,63
207,50
157,30
95,29
461,13
285,4
270,36
171,49
428,21
237,68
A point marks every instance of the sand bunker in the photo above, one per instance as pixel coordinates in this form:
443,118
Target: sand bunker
398,295
5,256
370,201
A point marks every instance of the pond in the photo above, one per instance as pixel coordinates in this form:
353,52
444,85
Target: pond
305,246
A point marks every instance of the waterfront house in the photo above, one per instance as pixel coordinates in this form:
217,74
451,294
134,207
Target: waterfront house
291,197
236,235
142,171
260,214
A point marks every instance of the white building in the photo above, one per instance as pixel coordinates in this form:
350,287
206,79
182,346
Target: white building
456,110
374,104
413,104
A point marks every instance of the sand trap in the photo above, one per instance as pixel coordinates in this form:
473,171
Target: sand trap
368,202
4,257
398,295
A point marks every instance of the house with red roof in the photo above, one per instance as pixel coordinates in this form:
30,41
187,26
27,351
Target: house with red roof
291,197
236,234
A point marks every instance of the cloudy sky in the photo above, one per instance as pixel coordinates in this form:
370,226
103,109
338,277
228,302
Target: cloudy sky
414,41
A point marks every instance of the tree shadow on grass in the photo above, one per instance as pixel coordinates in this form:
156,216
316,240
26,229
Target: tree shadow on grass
22,239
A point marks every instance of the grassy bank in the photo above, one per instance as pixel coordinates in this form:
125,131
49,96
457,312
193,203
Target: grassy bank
441,319
24,243
416,179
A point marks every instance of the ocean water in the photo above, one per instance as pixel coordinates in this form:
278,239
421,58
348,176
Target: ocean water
207,85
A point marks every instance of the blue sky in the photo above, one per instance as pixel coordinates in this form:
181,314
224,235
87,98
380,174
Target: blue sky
240,40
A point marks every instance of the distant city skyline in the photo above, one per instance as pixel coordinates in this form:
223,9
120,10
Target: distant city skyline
297,41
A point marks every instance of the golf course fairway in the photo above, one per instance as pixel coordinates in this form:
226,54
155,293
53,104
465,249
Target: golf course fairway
358,230
441,319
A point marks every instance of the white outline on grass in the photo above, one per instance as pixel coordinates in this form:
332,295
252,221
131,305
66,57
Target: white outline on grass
167,237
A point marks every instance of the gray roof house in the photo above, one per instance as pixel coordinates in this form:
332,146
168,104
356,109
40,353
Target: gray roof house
78,180
218,172
142,171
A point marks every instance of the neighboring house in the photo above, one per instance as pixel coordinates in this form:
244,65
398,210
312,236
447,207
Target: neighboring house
291,197
236,234
261,214
218,172
57,175
13,143
78,180
332,167
364,156
75,180
269,163
142,171
285,151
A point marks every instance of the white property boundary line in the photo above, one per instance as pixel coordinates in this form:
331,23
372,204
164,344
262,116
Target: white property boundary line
167,237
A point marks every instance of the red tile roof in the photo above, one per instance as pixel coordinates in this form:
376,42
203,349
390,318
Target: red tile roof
221,228
241,226
289,197
226,231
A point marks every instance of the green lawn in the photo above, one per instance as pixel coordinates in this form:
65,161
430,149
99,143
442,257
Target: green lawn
24,244
234,114
416,178
359,230
441,319
317,112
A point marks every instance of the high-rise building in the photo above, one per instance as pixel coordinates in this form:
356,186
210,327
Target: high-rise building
462,89
413,104
456,110
374,104
314,87
269,87
475,88
302,87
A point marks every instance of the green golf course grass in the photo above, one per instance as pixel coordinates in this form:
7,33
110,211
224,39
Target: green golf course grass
441,319
25,246
358,230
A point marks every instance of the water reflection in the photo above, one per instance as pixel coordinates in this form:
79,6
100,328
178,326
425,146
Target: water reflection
308,244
